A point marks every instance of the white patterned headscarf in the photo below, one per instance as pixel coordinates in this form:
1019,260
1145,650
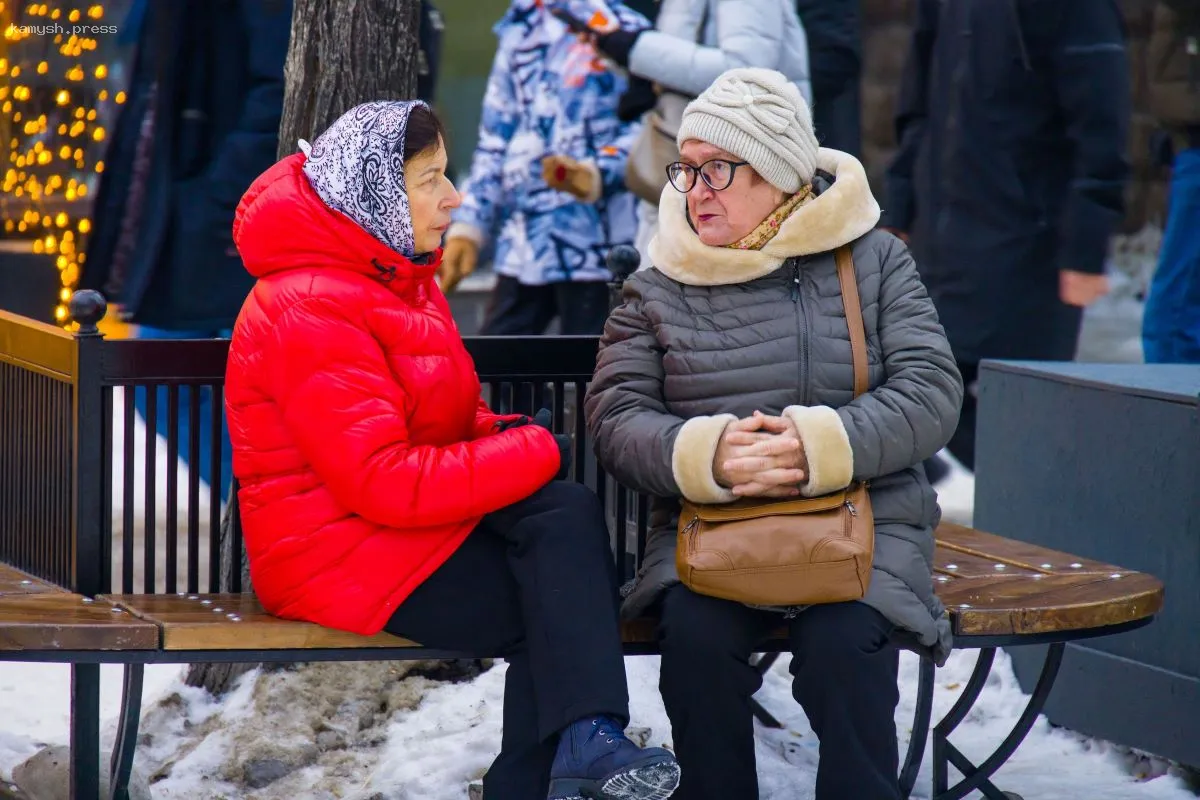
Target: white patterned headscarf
357,167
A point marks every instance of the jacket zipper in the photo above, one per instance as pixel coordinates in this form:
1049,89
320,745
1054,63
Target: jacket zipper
802,330
795,292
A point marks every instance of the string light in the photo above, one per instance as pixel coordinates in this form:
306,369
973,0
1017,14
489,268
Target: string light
56,133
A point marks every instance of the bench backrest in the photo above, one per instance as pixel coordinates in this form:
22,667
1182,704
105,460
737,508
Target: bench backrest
88,501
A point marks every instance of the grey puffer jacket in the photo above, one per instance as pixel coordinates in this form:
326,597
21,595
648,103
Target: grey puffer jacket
709,335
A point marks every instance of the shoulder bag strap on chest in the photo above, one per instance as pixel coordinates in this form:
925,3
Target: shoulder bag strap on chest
854,318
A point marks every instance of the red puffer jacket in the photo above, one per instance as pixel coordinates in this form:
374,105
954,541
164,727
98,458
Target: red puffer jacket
363,450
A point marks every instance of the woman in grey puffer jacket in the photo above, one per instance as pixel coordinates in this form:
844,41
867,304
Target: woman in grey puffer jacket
727,372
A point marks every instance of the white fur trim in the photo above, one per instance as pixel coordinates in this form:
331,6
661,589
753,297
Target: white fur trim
826,446
597,182
839,215
692,459
465,230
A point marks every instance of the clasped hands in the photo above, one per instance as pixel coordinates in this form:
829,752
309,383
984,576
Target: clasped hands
761,456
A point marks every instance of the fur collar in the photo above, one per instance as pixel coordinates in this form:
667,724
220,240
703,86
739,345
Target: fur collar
842,213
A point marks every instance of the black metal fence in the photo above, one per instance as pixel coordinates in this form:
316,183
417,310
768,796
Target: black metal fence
113,461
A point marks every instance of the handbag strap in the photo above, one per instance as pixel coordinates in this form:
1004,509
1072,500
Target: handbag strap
844,257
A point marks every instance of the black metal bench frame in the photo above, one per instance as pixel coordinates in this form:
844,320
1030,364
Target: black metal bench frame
62,386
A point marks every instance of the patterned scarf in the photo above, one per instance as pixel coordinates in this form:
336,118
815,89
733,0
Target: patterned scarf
769,227
357,167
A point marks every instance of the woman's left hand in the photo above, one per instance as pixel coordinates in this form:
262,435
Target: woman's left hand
764,483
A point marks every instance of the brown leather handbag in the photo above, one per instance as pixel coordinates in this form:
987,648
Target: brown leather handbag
787,552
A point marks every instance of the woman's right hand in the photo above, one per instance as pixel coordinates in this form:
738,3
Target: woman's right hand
459,258
749,455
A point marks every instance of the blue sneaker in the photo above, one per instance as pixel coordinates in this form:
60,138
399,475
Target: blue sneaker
595,761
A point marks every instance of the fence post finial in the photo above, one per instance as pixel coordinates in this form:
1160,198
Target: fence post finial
88,307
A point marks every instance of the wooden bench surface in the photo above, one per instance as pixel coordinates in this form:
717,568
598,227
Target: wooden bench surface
37,615
990,585
15,582
236,622
996,586
66,621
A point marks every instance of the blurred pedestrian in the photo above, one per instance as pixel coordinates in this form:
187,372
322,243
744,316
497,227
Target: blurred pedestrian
691,44
547,179
1171,325
205,101
1012,122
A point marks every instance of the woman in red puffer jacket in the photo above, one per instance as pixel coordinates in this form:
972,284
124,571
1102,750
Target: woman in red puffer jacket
378,492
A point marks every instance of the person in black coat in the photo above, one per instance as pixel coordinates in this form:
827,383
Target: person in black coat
1012,123
834,29
206,97
201,122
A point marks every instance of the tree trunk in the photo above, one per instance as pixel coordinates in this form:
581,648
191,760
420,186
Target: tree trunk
342,53
346,52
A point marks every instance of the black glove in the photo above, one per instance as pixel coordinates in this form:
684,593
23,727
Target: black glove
545,419
636,100
618,44
519,422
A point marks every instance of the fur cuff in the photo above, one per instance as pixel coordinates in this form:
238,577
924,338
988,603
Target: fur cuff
692,458
826,446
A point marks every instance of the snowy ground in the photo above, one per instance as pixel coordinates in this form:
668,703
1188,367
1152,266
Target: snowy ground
370,732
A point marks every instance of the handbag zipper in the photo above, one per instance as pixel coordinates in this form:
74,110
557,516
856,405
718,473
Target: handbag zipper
852,508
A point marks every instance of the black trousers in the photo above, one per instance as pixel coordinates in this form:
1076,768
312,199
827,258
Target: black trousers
962,443
845,677
535,582
520,310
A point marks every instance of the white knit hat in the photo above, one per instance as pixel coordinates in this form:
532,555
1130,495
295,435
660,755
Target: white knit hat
759,116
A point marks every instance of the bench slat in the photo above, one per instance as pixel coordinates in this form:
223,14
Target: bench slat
15,582
1018,605
957,544
237,622
64,621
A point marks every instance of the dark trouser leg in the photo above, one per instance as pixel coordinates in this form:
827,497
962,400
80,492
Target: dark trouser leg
962,444
533,583
518,310
845,670
559,554
582,307
706,683
472,603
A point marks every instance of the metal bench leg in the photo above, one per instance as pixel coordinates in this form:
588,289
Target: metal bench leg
977,778
85,731
761,714
127,733
920,731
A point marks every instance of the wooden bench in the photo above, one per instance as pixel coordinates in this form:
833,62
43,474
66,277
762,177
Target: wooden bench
58,406
999,593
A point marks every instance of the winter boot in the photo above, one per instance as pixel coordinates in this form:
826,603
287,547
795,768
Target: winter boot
595,761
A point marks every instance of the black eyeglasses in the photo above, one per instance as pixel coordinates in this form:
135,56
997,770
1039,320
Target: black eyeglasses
717,173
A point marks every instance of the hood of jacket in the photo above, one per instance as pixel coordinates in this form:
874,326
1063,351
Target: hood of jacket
844,210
